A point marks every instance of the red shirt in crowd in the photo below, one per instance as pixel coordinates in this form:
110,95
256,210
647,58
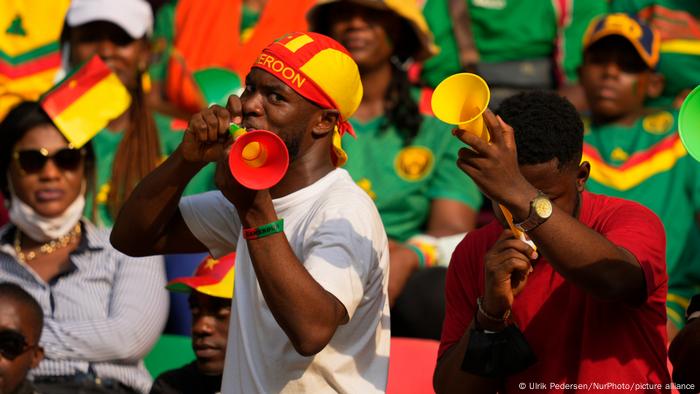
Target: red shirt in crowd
577,338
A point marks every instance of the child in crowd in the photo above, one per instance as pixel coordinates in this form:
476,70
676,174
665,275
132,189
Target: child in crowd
21,322
635,152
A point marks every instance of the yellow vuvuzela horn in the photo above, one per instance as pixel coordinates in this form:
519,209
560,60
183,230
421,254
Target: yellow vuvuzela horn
461,100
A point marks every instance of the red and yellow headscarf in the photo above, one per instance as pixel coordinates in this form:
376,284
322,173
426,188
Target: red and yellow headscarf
321,70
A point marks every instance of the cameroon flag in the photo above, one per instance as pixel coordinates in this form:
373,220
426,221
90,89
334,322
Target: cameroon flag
85,101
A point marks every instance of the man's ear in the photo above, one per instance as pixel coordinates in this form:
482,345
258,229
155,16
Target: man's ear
582,174
656,84
325,122
37,356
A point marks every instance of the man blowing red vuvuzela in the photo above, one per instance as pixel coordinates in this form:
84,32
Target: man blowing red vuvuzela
310,311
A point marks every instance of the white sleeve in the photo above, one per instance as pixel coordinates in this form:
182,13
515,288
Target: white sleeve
343,252
213,220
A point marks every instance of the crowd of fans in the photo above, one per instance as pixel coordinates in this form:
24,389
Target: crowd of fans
381,224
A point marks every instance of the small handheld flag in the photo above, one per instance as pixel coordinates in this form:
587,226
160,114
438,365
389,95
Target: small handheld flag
85,101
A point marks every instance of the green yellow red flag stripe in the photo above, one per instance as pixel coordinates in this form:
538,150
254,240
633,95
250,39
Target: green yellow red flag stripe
640,167
48,62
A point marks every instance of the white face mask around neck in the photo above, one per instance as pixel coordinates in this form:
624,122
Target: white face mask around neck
41,228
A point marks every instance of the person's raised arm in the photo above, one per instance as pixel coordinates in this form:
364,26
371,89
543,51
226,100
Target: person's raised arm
305,311
150,221
577,252
506,267
447,218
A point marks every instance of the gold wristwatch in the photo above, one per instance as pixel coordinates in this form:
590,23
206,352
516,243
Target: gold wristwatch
540,211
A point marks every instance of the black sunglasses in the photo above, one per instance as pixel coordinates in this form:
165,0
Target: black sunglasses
33,160
13,344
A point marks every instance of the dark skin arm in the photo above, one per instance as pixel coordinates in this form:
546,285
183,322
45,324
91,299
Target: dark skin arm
150,222
683,354
598,266
506,267
307,313
447,217
449,377
462,27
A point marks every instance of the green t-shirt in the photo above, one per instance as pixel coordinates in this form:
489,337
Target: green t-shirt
647,163
163,40
678,22
507,30
105,145
403,180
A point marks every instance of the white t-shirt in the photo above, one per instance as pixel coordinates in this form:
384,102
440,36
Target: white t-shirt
336,232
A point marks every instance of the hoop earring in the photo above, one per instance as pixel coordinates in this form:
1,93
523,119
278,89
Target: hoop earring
146,83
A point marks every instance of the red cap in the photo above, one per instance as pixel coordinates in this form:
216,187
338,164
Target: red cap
213,277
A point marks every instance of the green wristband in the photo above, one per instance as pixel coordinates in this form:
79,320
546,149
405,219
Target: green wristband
264,230
419,253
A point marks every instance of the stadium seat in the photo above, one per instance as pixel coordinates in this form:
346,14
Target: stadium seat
411,365
170,352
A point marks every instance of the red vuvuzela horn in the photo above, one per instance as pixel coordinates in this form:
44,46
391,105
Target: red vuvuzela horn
258,159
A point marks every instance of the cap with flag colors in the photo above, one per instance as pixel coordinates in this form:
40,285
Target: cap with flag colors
85,101
320,70
645,40
213,277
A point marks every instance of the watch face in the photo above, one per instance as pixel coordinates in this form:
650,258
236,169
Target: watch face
543,207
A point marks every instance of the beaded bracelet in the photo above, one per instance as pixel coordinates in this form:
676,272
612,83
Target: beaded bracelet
264,230
495,319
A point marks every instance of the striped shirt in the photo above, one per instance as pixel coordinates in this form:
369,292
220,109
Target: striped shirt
103,315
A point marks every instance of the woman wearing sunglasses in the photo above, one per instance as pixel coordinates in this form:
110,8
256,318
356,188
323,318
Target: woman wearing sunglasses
103,310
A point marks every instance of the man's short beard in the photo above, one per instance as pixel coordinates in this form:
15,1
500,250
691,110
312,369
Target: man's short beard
293,143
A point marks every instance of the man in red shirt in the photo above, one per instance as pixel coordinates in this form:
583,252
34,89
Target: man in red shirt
585,311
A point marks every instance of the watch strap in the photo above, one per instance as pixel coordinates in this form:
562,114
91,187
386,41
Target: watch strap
533,220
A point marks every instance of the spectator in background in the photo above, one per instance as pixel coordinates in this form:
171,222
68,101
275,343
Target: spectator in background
235,31
103,310
588,305
210,290
678,25
684,351
635,152
515,45
29,52
137,141
21,322
405,160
